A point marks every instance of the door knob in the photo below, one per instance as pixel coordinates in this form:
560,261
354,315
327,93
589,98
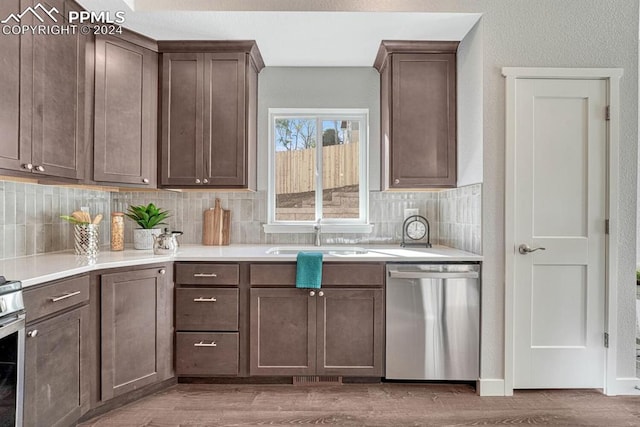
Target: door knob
312,294
40,168
525,249
396,181
145,180
27,166
205,181
32,334
162,271
197,181
320,294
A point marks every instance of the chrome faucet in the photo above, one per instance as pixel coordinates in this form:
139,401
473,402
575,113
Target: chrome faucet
317,228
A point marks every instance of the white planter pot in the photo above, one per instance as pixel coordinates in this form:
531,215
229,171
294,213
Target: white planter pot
143,237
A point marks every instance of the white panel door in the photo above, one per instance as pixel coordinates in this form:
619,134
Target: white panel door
560,178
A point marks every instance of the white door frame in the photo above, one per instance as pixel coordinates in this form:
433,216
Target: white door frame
612,76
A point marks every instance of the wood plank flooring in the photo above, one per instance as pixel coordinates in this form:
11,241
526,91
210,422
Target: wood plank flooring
387,404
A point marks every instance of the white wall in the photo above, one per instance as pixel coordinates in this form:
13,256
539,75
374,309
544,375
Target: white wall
548,33
469,100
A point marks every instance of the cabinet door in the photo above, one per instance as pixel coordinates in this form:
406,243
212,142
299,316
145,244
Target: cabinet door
125,113
182,118
14,150
58,127
350,332
283,332
133,326
423,123
225,153
57,370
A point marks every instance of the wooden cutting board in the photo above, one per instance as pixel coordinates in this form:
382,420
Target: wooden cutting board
215,226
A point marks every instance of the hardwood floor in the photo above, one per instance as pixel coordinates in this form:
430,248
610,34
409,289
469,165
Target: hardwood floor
369,405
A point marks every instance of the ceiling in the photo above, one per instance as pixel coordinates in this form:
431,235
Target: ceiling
292,39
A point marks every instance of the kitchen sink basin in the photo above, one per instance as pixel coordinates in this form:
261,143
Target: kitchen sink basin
327,250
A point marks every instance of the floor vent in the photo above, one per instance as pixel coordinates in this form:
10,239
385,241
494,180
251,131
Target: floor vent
316,380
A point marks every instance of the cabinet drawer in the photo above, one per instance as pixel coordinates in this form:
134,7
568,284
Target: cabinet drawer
207,274
206,353
45,300
206,309
338,274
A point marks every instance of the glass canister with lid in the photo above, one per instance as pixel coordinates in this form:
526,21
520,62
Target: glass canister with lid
117,231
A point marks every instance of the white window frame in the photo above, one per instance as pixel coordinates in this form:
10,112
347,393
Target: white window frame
328,225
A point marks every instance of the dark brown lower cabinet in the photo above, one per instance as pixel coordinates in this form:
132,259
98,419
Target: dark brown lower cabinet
283,332
349,332
207,353
136,321
57,369
330,331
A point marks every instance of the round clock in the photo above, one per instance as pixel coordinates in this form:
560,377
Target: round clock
415,228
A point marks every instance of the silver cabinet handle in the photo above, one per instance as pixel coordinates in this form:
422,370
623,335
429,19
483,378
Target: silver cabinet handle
40,168
312,294
145,180
525,249
320,294
205,275
201,299
162,271
205,181
203,344
27,166
32,334
197,181
65,296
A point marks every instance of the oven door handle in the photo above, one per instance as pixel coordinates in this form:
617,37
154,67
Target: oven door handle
15,325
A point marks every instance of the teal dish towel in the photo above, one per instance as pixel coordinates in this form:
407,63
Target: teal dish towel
309,270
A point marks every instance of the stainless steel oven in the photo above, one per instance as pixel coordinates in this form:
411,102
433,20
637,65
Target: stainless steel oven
12,334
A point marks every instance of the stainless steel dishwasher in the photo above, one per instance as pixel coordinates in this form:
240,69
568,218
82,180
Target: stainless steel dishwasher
433,321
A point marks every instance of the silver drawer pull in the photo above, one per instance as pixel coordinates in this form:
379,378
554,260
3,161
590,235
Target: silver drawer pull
200,299
205,275
203,344
65,296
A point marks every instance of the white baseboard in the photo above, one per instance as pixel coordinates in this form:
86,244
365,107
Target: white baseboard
490,387
625,387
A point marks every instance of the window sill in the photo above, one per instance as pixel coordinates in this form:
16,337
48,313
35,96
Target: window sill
324,228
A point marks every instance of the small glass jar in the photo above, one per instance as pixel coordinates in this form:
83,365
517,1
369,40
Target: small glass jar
117,231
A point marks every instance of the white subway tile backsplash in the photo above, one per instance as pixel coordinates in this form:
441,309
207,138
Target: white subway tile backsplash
460,218
30,216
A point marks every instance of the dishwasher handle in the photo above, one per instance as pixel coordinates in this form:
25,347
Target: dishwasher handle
396,274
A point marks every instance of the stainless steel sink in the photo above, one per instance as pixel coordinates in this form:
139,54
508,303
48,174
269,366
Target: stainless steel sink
327,250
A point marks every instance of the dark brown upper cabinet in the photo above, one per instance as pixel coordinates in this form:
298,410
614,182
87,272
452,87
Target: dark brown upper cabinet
125,115
12,152
209,114
50,72
418,114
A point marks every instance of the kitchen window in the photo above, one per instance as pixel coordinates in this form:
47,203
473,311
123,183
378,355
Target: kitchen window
318,170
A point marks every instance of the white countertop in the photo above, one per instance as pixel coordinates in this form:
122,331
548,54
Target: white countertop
36,269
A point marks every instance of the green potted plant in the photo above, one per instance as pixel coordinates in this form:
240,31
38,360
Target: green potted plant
147,217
